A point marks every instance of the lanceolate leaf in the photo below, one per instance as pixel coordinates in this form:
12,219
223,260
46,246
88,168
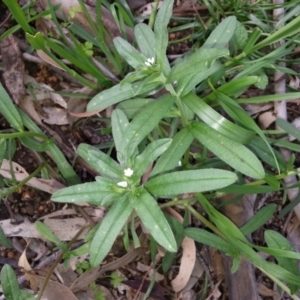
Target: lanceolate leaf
276,241
217,121
221,34
45,231
231,152
130,54
4,241
258,146
2,150
289,128
119,123
160,29
92,192
9,283
145,121
260,218
145,39
194,68
207,238
109,229
170,158
132,106
117,94
9,111
152,151
99,161
234,87
189,182
59,158
154,220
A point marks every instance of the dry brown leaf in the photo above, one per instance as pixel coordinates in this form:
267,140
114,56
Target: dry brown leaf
86,278
55,290
266,119
215,294
47,185
264,291
55,116
65,230
42,55
144,268
188,258
30,276
86,114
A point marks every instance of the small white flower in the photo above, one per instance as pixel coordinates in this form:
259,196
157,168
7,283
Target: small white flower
123,184
179,163
149,62
128,172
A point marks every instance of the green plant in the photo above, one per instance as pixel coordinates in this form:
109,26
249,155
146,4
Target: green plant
10,286
132,185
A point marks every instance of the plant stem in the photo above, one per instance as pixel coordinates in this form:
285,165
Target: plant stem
53,266
206,222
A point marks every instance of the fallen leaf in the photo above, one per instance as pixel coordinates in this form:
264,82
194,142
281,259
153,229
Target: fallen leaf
188,258
47,185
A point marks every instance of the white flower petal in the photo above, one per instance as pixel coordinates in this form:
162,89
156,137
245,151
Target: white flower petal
151,60
147,64
128,172
123,184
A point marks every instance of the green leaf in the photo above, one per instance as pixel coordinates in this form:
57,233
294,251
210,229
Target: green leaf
144,122
177,228
145,39
240,116
58,157
189,182
119,123
19,15
212,118
231,152
152,151
221,35
276,241
132,106
117,94
160,30
240,36
9,111
154,220
109,229
258,146
206,238
100,161
45,231
96,193
9,283
247,189
130,54
260,218
170,158
234,88
286,31
194,69
2,150
4,241
289,128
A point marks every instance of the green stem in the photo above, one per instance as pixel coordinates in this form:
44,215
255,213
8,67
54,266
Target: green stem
8,191
170,88
206,222
54,265
23,134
